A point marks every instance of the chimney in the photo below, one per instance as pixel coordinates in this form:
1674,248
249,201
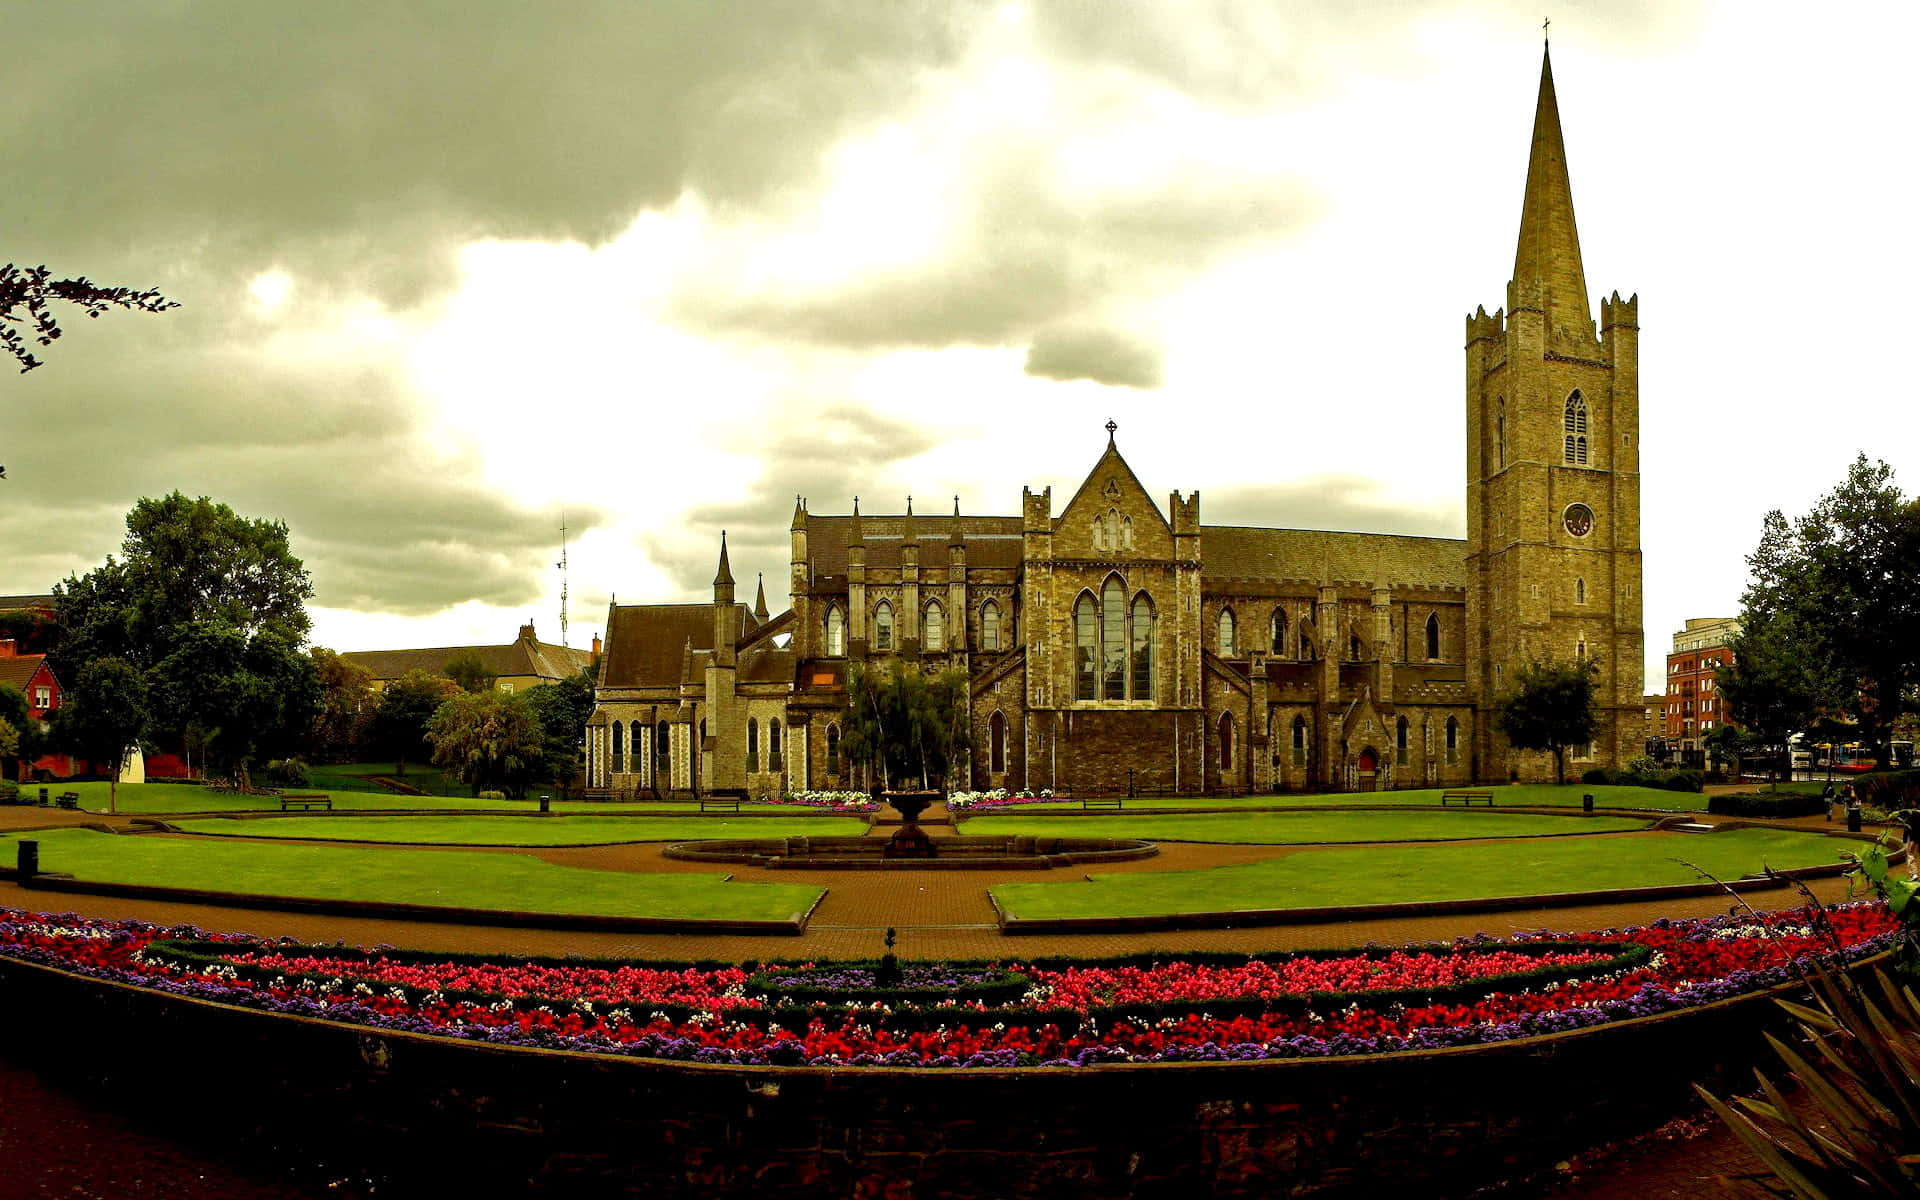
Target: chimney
8,649
596,645
526,633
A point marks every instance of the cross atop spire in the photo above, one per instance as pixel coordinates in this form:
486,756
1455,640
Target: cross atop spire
1547,273
1111,427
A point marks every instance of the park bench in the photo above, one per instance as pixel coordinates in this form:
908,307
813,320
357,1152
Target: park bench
1100,802
305,800
720,804
1466,798
67,800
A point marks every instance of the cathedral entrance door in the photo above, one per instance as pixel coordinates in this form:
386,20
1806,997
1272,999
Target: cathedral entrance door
1369,769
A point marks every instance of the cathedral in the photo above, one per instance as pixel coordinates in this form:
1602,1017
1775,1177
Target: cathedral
1116,644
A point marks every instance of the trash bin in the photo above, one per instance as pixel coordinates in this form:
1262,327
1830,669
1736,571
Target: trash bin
29,860
546,803
1586,803
44,800
1853,819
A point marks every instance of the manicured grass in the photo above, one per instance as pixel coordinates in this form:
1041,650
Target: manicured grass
457,878
1525,795
1411,874
358,777
1304,828
523,830
161,798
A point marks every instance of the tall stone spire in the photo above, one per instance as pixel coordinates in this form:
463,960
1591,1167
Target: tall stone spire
723,579
1547,274
760,601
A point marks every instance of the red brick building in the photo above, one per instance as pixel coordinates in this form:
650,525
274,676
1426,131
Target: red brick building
1694,707
36,681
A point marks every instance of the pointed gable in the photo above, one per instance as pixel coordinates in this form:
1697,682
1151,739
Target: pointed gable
1112,516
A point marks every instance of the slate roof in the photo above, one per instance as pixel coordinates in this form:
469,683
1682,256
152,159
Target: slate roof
646,642
19,670
990,541
1239,552
517,659
20,603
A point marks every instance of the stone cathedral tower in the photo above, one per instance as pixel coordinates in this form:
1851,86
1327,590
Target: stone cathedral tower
1553,476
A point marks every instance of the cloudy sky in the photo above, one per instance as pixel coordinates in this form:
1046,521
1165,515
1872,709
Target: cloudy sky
448,270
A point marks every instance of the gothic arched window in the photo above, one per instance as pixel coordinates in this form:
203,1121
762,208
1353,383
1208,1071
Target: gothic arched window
1500,433
1279,641
619,749
1299,741
836,631
996,742
990,626
833,749
1353,647
883,627
753,745
1226,633
1453,740
1433,635
1576,429
1579,591
1400,742
1142,647
662,750
1226,741
773,745
933,628
1113,640
1306,647
1086,648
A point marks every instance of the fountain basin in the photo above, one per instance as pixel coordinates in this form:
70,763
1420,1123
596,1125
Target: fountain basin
951,853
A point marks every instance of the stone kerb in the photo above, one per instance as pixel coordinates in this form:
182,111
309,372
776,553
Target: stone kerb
585,1124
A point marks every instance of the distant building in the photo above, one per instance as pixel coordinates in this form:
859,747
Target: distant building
1656,703
30,674
520,664
1693,704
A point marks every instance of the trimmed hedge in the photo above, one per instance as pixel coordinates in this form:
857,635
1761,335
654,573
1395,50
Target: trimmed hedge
1889,790
1626,956
1766,804
1683,780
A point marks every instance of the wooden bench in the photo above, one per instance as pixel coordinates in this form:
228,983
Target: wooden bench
1466,798
720,804
67,800
1101,802
305,800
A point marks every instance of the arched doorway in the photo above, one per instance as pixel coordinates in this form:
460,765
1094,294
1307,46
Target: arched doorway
1367,769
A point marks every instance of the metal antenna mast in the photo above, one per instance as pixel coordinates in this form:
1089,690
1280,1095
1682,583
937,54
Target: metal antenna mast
562,564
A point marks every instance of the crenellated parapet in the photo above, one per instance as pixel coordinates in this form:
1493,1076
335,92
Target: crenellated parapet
1618,313
1185,513
1482,326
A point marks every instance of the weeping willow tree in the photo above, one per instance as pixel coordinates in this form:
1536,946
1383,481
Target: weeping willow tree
904,727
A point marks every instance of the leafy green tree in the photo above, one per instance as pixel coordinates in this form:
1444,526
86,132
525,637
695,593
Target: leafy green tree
345,712
470,673
103,714
563,709
250,696
400,717
27,296
30,741
9,739
1551,708
903,725
1769,688
1840,587
491,741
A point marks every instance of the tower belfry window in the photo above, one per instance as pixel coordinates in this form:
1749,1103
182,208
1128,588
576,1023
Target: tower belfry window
1576,429
1500,434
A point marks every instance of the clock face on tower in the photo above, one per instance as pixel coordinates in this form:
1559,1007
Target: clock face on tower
1578,519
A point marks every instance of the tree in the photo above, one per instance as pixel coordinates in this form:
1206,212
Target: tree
27,296
1769,688
470,673
1839,588
401,715
104,714
29,739
563,709
346,707
183,562
903,725
1727,743
1551,708
249,696
490,740
9,739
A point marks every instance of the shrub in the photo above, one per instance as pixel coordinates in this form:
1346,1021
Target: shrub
9,792
288,772
1683,780
493,795
1766,804
1889,789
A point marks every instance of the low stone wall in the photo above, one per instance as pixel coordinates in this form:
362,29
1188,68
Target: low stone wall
444,1117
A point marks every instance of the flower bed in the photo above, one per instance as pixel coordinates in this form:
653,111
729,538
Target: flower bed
837,802
1140,1009
997,798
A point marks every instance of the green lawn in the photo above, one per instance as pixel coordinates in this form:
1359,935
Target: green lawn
1410,874
1525,795
358,777
457,878
482,830
1304,828
160,798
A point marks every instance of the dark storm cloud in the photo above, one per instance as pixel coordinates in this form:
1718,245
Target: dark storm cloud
357,139
1338,502
1102,355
